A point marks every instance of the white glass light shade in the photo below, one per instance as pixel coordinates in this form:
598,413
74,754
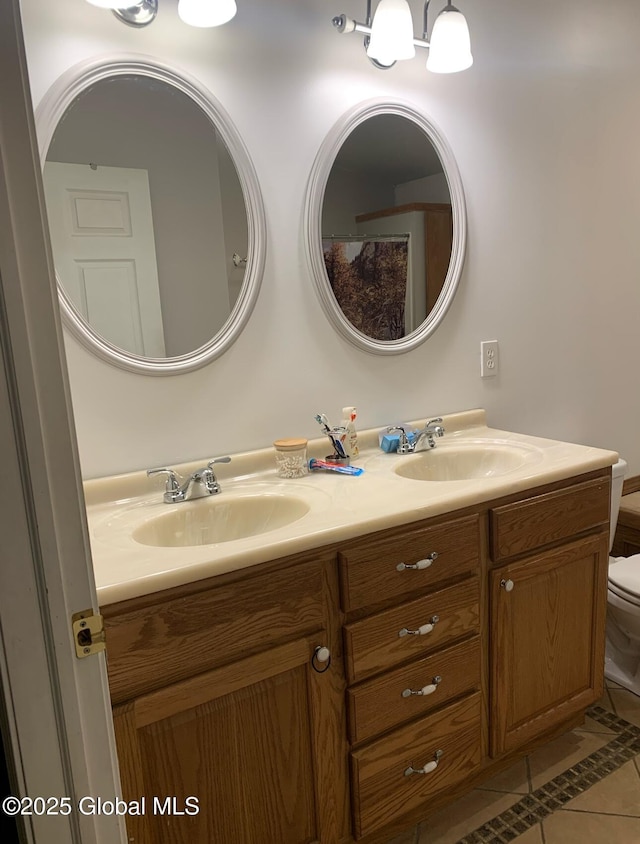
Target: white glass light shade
450,44
112,4
206,12
391,32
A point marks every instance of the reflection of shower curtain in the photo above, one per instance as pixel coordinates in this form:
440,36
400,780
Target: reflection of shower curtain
368,276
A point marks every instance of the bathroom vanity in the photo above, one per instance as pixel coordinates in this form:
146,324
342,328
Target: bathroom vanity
463,621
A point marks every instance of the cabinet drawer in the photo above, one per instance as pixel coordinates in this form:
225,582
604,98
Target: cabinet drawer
543,519
375,643
378,705
179,637
383,791
369,572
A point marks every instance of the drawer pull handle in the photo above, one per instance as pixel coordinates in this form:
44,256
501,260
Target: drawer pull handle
425,690
507,585
421,564
428,768
422,630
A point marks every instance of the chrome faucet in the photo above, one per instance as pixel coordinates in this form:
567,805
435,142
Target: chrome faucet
199,484
422,439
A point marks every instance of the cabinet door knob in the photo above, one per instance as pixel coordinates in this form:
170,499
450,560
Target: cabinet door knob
321,659
421,564
422,630
507,585
425,690
426,769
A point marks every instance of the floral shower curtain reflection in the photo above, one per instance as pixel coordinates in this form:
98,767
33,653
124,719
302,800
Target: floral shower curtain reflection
369,278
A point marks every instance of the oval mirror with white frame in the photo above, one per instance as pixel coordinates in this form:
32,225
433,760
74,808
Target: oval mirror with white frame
156,217
385,227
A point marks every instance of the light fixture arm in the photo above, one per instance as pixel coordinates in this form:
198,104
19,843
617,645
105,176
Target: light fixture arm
425,15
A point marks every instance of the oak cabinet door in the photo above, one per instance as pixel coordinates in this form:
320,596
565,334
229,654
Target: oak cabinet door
547,639
251,742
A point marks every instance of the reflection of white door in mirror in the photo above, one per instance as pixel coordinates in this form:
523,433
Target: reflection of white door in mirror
102,235
132,113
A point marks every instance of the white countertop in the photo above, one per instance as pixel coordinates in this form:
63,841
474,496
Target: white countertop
341,507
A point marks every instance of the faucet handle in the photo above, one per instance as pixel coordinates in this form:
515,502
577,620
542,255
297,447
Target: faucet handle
172,491
172,483
405,446
436,428
212,463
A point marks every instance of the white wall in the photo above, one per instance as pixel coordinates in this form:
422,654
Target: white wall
429,189
545,129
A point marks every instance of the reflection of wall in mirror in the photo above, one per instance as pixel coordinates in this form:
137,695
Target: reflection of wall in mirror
197,225
348,194
428,189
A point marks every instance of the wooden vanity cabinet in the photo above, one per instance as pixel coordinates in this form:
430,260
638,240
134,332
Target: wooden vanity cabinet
457,643
547,610
217,698
502,667
413,660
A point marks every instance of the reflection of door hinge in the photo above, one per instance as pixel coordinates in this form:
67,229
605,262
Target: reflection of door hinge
88,633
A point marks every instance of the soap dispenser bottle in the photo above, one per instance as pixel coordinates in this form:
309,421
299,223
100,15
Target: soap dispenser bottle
351,440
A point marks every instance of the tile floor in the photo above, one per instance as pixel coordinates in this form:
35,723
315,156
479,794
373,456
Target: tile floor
604,812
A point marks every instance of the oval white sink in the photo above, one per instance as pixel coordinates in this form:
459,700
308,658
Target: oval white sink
464,462
208,521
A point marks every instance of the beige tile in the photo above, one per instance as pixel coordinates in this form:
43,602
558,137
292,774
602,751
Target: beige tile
515,780
531,836
626,705
616,794
554,758
605,700
592,726
588,828
460,818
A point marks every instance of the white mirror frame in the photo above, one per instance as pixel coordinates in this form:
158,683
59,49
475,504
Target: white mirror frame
48,114
317,184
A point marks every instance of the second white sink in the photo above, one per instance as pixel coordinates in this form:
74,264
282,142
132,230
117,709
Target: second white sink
466,461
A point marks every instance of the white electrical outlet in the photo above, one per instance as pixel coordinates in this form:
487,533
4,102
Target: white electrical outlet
488,358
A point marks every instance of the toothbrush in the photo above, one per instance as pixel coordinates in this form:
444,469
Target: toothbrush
334,467
337,442
322,420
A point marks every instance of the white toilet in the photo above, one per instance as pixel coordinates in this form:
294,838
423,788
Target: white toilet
622,659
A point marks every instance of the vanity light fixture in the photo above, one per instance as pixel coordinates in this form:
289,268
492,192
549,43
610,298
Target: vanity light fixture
201,13
389,36
206,12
